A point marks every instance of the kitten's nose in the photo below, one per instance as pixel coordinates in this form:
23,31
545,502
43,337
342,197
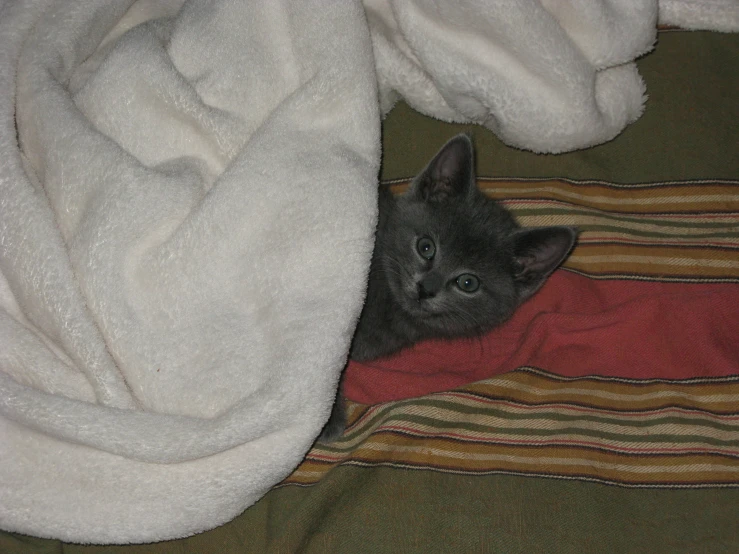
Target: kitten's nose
429,286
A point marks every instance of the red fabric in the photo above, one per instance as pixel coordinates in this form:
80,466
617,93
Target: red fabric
576,326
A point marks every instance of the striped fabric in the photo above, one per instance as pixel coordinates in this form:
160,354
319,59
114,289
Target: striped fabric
684,231
529,422
632,433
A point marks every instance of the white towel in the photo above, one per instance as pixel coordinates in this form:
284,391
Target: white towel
711,15
186,232
544,75
547,76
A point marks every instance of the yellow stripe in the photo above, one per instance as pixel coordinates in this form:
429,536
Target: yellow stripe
654,260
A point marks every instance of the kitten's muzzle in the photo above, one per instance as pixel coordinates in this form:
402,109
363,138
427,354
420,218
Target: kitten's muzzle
429,286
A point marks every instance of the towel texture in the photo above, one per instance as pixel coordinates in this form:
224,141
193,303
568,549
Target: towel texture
170,343
544,76
712,15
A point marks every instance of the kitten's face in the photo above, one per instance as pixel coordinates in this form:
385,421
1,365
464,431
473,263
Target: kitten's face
455,260
450,264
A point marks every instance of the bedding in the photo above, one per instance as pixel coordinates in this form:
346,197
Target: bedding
621,435
628,447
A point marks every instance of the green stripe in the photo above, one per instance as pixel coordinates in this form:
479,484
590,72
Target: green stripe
595,433
655,234
458,407
600,183
503,413
721,247
547,416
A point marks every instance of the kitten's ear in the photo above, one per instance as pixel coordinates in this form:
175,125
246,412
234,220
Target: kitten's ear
536,254
450,173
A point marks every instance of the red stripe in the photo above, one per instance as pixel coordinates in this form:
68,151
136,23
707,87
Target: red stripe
576,326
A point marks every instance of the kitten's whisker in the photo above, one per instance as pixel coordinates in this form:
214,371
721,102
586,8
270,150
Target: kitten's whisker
381,270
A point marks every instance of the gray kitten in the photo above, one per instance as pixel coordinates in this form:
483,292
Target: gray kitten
448,262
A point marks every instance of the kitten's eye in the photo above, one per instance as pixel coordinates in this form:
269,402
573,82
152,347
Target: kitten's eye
468,282
426,248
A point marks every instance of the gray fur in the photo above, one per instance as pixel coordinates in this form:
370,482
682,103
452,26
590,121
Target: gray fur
411,298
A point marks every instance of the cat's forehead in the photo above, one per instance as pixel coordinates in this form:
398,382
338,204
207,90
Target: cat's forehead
482,219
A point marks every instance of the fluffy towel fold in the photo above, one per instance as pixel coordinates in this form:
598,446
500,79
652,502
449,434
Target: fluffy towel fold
712,15
186,231
544,75
186,218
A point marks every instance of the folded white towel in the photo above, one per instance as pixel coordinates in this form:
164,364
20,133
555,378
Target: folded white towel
711,15
186,232
544,75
